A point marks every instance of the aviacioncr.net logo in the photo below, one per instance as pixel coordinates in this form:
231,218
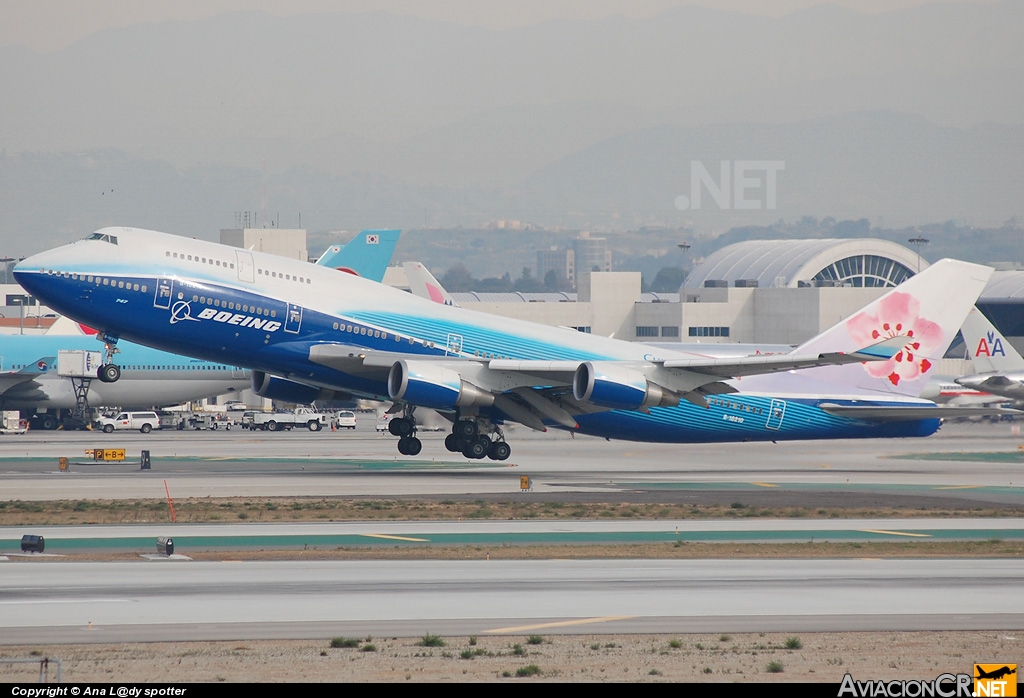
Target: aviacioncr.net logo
943,686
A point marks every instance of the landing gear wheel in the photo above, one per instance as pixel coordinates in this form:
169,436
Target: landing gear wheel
48,422
477,448
454,443
314,426
109,373
465,429
400,427
499,450
409,446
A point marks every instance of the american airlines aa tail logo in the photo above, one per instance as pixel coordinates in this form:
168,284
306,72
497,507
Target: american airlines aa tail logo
990,345
995,679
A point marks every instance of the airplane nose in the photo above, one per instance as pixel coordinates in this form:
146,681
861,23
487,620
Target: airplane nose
31,273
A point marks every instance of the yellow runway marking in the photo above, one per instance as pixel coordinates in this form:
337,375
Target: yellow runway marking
763,484
381,535
899,533
559,624
959,487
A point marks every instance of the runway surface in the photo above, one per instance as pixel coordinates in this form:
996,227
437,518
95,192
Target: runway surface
193,538
964,466
118,602
963,463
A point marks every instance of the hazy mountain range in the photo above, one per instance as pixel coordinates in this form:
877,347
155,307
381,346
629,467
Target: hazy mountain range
378,120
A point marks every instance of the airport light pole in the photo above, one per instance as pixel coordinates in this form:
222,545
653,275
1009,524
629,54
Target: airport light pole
918,242
684,247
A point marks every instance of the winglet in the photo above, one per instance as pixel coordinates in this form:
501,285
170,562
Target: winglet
40,365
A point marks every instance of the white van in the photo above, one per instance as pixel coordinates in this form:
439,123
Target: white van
143,421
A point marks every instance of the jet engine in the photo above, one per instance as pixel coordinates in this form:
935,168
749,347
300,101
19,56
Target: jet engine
266,385
618,387
427,384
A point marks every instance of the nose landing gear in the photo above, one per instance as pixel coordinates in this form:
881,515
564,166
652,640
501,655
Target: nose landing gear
109,372
405,429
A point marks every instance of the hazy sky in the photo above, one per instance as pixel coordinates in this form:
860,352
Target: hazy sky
52,24
579,114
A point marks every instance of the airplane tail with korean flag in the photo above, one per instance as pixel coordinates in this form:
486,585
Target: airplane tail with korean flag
367,254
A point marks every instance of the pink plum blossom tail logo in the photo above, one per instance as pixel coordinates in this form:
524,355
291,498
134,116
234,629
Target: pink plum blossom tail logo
897,315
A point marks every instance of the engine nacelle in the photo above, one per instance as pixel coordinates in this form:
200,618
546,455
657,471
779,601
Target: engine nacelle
618,387
426,384
266,385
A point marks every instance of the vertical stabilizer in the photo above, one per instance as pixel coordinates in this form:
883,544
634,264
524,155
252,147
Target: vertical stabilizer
988,349
423,284
927,309
367,254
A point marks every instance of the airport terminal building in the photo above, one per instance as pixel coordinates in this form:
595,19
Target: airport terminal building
758,292
761,291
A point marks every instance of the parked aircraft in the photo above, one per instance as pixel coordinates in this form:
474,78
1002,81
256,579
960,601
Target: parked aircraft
367,254
29,377
319,330
1000,369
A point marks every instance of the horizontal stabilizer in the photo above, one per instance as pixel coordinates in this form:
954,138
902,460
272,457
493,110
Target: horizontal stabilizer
907,413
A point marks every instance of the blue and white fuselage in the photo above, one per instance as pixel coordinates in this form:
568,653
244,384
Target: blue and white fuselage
319,328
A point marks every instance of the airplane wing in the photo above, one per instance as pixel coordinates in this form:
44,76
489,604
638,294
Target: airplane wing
528,391
9,379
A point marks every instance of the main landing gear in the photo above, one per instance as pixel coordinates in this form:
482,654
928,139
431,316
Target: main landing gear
467,440
109,372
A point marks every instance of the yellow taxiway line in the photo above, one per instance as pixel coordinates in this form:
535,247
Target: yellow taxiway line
558,624
898,533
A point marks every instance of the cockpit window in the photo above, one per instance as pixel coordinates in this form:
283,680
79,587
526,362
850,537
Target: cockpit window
112,239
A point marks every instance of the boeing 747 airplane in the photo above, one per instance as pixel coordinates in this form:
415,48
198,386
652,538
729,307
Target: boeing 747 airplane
311,329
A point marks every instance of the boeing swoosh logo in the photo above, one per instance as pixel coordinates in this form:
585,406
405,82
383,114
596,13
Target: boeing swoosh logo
182,310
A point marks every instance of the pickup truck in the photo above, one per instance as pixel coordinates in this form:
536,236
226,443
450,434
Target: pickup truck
299,417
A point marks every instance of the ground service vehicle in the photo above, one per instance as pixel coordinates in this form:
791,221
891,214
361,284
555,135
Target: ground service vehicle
143,421
345,420
299,417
